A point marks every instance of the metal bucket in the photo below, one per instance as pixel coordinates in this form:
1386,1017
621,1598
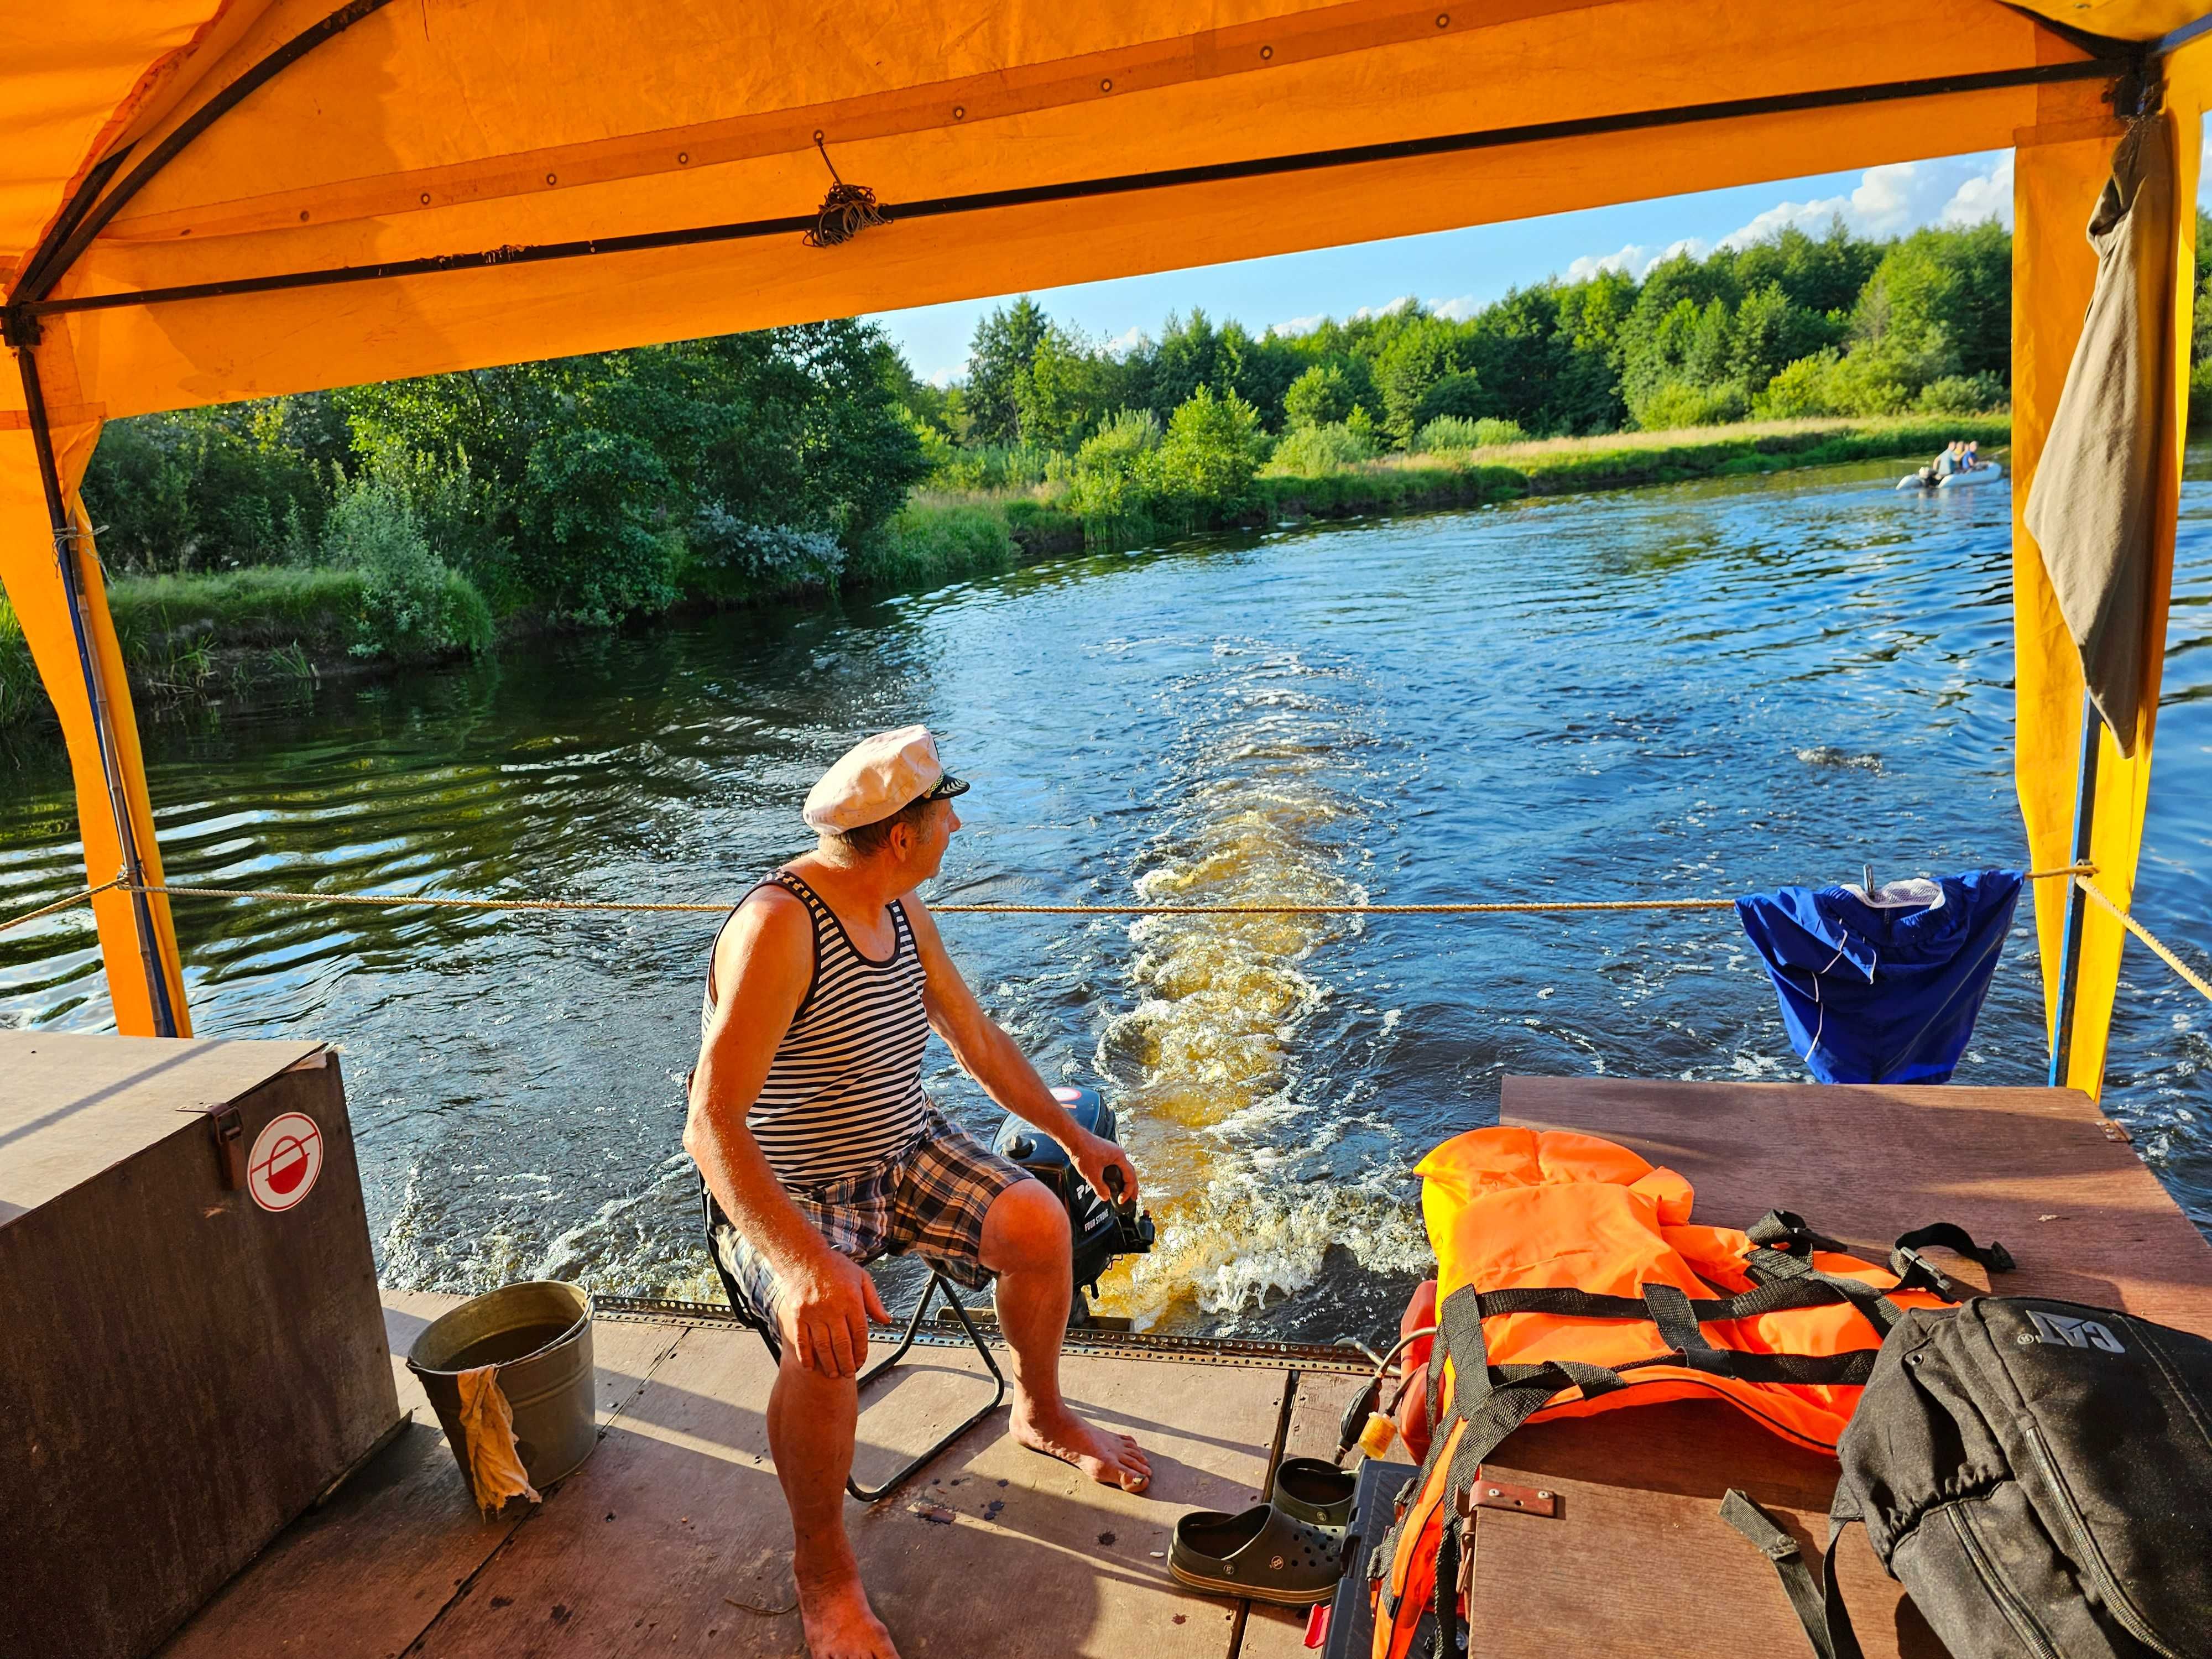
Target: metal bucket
539,1335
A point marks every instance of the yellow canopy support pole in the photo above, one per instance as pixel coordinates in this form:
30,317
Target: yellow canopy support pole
52,579
2055,187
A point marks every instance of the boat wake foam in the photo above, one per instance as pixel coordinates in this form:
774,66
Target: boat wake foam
1229,1103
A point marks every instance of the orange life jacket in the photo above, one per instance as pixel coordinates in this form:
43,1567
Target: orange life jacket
1571,1280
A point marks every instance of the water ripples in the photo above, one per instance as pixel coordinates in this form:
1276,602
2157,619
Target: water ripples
1697,690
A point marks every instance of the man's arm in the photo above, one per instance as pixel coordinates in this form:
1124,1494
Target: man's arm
763,963
987,1054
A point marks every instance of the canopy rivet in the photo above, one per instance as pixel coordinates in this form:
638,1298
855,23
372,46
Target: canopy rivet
1266,52
1444,20
960,111
552,177
818,135
303,215
1105,86
683,158
426,199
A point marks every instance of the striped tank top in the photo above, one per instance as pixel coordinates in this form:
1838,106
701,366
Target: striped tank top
844,1091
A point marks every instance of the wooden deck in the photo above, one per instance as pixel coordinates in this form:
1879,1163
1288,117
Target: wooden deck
1639,1565
672,1538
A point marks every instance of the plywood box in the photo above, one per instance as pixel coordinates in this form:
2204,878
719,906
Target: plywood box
189,1364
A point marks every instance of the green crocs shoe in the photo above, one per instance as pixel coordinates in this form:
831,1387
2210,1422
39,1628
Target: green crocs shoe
1263,1554
1315,1492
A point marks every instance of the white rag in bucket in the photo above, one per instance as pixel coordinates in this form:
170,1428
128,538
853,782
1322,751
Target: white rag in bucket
495,1471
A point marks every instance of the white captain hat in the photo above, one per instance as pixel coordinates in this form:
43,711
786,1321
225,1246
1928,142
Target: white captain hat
877,777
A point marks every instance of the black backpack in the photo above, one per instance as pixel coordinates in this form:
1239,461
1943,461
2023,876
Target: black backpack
2038,1474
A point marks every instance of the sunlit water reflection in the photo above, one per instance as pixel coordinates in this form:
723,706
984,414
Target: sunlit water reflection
1694,690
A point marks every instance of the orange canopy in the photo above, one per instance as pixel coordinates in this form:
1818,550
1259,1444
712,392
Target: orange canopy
203,201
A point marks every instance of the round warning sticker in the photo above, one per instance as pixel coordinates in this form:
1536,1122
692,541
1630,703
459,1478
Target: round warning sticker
287,1156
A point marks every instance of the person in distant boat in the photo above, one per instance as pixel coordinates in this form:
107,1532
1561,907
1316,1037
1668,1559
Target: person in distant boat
1970,458
1945,463
809,1125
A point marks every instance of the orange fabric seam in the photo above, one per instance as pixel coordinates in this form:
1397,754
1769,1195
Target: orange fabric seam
1151,66
119,118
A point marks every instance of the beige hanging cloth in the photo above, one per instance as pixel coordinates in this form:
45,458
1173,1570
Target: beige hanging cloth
495,1471
2093,507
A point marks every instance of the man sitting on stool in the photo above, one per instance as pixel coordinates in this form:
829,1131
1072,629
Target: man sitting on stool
809,1124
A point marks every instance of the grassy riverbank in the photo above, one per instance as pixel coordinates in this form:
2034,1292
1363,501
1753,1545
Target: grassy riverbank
996,530
189,639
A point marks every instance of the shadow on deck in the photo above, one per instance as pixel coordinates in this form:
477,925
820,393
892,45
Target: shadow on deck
673,1539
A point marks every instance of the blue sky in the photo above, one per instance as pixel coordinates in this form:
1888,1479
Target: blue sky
1458,270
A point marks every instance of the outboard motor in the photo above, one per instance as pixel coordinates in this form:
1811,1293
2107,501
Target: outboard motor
1101,1231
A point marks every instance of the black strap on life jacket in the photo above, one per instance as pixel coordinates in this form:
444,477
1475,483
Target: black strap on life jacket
1446,1600
1820,1608
1785,1230
1493,1401
1917,1272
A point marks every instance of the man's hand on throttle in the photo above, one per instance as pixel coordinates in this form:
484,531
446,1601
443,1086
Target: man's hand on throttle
1092,1156
823,1310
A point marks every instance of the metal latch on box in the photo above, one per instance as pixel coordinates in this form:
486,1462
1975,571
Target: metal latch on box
229,1144
1488,1494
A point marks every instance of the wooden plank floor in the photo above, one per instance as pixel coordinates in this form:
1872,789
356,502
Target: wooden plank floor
1638,1565
1316,1411
672,1538
361,1576
2034,1168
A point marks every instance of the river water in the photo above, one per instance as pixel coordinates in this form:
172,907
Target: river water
1693,691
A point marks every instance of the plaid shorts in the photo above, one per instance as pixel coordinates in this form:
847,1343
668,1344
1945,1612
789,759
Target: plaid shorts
928,1200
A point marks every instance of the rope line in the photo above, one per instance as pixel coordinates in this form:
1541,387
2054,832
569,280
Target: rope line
1519,907
429,900
2078,873
69,904
719,907
2164,952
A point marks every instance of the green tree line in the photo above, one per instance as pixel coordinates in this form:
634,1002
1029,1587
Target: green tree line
590,489
1170,433
1795,325
587,488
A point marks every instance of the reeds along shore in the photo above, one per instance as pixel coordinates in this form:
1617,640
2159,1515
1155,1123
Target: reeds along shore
189,639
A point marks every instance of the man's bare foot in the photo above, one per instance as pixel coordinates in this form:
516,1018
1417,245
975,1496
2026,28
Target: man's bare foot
840,1624
1112,1460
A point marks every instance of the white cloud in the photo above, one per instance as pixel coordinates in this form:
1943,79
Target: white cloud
1456,311
944,377
1636,258
1368,313
1299,326
1985,196
1904,196
1128,341
1889,199
1897,198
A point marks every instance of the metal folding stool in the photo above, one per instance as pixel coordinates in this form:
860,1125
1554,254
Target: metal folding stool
762,1325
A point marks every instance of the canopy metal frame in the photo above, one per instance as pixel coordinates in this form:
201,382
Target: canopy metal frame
67,557
108,188
2116,67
